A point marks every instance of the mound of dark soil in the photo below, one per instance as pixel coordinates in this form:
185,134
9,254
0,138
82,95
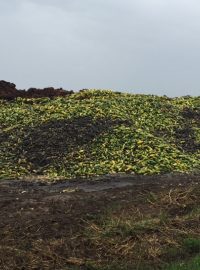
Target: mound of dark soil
185,136
8,91
42,149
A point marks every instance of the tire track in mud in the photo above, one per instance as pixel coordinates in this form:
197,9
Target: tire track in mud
96,184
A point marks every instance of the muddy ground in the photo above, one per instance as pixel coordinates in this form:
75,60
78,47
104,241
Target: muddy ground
55,226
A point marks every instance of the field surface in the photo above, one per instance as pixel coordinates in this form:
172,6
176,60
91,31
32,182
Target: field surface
109,223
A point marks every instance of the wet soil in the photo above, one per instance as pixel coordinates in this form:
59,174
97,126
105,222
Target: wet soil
185,136
42,226
66,137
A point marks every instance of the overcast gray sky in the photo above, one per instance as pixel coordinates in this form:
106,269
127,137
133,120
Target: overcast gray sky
138,46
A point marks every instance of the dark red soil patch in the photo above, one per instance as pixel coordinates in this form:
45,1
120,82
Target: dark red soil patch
186,139
8,91
185,136
66,136
192,114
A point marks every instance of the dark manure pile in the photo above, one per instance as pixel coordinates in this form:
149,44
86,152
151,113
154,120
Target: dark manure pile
51,142
8,91
185,132
186,135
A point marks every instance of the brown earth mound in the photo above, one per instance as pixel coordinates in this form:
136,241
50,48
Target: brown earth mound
8,91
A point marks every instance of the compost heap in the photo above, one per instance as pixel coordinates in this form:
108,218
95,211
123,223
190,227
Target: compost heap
96,132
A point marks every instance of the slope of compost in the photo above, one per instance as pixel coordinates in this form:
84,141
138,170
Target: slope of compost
66,137
96,132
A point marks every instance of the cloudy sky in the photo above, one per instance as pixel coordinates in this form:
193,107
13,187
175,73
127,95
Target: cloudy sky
138,46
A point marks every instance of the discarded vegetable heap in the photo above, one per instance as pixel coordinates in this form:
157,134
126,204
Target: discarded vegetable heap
98,132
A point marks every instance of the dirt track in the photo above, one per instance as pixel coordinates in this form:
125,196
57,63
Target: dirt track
41,226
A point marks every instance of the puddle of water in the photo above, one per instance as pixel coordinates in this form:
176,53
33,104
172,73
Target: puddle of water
70,185
92,185
87,187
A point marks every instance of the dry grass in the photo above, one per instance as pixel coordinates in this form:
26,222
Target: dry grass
150,233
